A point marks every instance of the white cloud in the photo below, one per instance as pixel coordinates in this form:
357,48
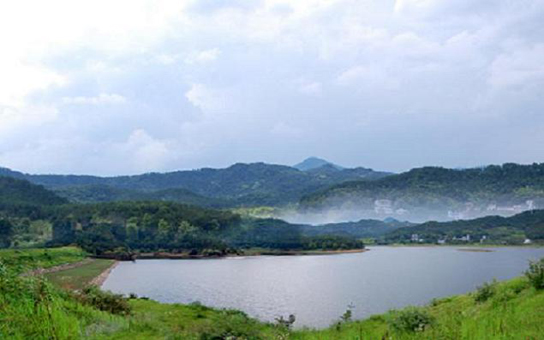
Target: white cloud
370,76
209,83
203,57
311,88
103,98
523,67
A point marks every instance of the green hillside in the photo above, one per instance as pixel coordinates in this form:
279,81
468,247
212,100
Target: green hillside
15,191
96,193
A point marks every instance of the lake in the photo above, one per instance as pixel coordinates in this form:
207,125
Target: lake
318,289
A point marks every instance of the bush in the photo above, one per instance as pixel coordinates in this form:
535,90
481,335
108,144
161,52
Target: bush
535,274
411,319
485,291
105,301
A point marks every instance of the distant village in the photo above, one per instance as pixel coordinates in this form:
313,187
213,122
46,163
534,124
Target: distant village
416,238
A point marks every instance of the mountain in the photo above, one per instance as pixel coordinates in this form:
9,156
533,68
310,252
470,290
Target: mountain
437,193
15,191
359,229
314,163
490,229
240,184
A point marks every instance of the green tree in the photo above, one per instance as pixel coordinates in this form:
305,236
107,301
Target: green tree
6,233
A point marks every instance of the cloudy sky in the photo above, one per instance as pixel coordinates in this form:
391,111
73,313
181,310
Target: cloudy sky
128,86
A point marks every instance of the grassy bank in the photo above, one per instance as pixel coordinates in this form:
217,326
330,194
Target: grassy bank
35,308
27,259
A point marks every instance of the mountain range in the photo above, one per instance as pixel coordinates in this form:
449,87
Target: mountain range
238,185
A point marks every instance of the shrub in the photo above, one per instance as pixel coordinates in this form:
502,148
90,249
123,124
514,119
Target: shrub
412,319
485,291
535,274
286,323
105,301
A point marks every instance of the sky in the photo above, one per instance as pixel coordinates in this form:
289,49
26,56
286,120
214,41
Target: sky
130,86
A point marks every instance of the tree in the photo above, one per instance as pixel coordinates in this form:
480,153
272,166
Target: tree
6,233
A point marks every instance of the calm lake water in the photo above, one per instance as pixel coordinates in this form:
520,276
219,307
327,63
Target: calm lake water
318,289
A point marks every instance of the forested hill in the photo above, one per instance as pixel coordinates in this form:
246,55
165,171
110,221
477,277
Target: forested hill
20,192
433,192
516,229
240,184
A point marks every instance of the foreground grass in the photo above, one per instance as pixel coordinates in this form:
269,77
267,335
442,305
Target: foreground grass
78,278
33,308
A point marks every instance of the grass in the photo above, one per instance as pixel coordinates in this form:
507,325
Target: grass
26,259
79,277
33,308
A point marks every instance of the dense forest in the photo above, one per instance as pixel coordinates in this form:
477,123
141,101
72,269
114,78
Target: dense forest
39,217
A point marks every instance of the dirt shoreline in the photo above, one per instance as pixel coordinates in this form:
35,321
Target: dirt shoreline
100,279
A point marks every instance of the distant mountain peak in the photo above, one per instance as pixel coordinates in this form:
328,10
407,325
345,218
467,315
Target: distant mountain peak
315,163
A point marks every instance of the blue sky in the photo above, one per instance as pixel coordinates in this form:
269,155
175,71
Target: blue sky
130,86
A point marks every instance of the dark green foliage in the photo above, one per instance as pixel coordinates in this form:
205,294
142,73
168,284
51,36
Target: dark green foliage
6,233
506,230
21,192
96,193
104,301
286,323
411,319
485,291
535,274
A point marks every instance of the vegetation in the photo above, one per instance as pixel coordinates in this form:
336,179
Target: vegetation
96,193
15,191
535,274
27,259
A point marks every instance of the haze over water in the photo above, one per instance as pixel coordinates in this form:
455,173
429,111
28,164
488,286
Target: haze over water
318,289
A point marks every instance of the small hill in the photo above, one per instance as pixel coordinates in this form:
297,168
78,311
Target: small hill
359,229
315,163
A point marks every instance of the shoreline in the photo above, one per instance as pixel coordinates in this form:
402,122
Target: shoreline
250,252
102,277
